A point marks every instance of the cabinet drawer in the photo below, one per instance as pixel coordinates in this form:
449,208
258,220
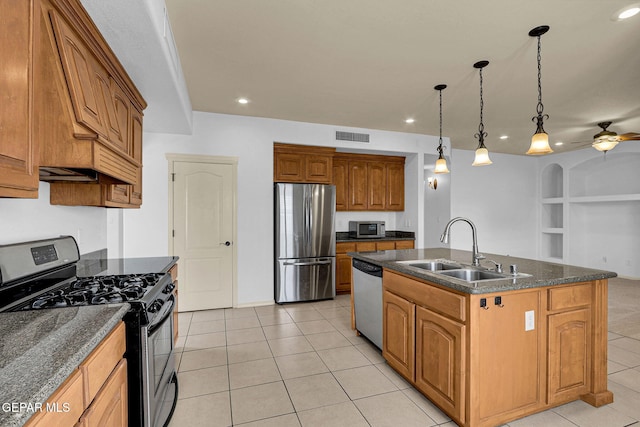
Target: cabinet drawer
404,244
386,246
365,246
68,397
426,295
343,248
570,296
98,365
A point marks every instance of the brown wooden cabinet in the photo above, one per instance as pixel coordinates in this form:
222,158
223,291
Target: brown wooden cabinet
371,182
398,334
95,394
343,261
440,361
340,180
18,147
302,163
70,105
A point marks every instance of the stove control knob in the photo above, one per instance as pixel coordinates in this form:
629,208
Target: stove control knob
169,288
155,306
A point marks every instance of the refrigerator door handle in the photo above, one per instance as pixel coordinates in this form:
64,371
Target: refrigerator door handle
308,263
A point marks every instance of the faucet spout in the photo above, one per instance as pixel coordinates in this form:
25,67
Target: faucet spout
444,238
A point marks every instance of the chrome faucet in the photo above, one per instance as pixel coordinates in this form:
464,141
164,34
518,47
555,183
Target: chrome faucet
444,238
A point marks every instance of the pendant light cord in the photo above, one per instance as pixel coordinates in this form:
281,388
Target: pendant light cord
481,133
540,107
440,140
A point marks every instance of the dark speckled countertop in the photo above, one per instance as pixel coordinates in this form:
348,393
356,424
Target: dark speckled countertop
538,273
111,266
40,349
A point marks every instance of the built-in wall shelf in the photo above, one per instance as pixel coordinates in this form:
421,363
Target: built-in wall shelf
589,213
606,199
553,230
552,200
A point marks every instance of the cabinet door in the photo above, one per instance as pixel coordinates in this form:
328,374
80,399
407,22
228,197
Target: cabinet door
135,197
343,274
440,367
318,169
18,148
395,187
357,200
109,408
569,350
340,180
506,354
82,74
376,186
398,334
289,167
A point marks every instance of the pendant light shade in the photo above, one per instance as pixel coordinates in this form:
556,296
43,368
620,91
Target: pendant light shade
540,140
482,157
441,163
482,154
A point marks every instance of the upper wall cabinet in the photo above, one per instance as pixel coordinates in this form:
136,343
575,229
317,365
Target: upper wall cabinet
75,107
18,148
302,163
369,182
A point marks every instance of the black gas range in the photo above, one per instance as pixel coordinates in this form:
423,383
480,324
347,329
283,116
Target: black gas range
43,275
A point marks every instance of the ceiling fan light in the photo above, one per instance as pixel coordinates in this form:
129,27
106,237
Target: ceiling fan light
604,145
539,144
482,157
441,165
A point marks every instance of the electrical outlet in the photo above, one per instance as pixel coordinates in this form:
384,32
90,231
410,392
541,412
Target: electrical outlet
529,320
483,302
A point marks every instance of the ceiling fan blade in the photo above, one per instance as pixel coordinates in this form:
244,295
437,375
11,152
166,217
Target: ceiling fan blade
631,136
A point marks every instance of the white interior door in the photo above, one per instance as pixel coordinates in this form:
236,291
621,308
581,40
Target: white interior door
203,222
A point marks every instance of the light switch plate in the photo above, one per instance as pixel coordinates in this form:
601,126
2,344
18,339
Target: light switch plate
529,320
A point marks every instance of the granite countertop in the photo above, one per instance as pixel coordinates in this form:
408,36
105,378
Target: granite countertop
40,349
538,273
343,236
112,266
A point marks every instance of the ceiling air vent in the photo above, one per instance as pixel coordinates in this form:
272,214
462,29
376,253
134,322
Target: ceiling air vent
352,136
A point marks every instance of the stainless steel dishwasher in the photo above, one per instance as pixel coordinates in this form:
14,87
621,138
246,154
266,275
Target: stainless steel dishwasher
367,300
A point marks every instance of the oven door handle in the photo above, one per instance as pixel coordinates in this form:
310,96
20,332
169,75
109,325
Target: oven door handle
165,314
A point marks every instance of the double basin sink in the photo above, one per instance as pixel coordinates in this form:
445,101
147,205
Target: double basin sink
458,271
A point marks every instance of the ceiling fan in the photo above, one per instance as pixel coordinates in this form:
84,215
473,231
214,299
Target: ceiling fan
606,140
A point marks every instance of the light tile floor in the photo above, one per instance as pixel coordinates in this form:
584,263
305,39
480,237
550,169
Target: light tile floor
302,365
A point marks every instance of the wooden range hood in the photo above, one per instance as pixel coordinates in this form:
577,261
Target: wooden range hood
86,108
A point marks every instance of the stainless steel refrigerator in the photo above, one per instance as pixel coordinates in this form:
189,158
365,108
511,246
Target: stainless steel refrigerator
305,242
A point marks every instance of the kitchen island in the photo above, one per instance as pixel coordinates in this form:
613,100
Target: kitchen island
494,350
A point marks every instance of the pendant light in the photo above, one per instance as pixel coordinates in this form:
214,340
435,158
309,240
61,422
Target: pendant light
441,163
540,140
482,154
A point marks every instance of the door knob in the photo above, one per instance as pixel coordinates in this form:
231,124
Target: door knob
227,243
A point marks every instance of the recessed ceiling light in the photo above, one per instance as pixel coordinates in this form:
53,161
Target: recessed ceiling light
409,121
559,143
504,137
243,101
626,12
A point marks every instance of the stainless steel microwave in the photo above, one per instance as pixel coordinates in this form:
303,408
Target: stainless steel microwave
366,229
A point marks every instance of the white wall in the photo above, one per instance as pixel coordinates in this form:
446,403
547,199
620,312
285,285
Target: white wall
251,140
500,199
437,203
32,219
